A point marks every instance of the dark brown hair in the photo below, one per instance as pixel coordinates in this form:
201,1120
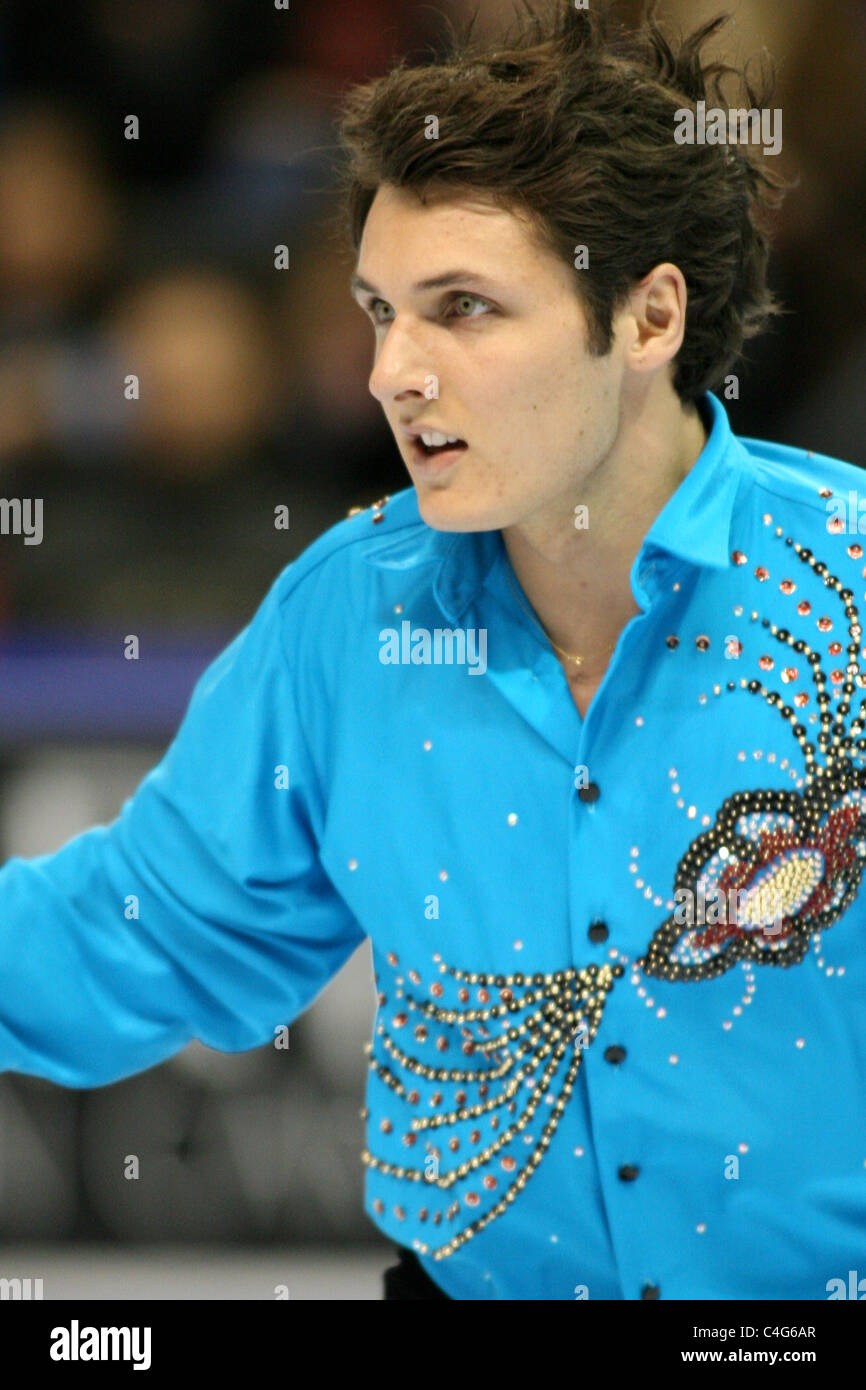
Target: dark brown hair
569,119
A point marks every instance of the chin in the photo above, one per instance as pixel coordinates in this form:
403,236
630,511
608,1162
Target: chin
443,509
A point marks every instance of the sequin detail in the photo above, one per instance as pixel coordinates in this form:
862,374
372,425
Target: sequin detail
801,854
539,1029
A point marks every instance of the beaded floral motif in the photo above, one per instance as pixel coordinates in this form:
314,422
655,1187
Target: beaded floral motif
794,861
539,1028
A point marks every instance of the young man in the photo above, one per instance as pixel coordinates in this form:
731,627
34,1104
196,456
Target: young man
570,729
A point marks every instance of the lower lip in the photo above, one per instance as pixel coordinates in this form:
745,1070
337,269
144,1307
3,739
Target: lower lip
434,464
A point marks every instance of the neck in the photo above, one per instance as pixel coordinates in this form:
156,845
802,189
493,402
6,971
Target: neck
578,580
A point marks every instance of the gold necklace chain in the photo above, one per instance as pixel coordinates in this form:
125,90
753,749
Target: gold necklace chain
578,660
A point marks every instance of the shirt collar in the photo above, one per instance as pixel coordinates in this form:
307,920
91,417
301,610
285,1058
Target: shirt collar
694,524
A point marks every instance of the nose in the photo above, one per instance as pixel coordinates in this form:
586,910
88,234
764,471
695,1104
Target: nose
401,365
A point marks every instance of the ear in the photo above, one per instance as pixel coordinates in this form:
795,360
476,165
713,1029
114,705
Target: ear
656,318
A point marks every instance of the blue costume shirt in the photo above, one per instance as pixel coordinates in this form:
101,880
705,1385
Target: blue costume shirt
580,1086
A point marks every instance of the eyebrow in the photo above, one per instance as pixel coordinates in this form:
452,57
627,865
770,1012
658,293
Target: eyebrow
435,282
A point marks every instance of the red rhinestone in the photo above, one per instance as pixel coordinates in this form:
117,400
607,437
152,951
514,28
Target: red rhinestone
472,1199
414,977
825,624
835,524
468,1049
762,573
506,996
509,1164
436,989
790,673
787,586
460,1098
400,1213
702,642
420,1032
801,699
378,1205
837,677
442,1044
463,995
400,1020
835,648
409,1140
413,1097
475,1136
383,998
454,1145
482,1089
765,663
422,1215
483,996
804,607
385,1126
392,958
490,1182
739,558
855,551
436,1098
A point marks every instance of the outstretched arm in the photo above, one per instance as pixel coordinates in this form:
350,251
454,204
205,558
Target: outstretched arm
201,912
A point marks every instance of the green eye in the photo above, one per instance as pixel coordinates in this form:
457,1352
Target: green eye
472,299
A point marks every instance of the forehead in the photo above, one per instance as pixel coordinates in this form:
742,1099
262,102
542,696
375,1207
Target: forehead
400,230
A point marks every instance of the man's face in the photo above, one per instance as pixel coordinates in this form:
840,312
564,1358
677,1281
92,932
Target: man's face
504,346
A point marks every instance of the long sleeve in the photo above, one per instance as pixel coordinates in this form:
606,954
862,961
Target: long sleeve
201,912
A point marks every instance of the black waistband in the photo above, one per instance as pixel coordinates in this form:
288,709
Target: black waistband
408,1280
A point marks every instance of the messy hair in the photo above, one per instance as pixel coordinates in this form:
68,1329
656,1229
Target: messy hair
570,119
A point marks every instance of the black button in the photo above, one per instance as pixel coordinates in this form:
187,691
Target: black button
650,1291
628,1172
591,792
598,931
615,1053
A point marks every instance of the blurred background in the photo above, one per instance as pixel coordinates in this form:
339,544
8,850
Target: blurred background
153,257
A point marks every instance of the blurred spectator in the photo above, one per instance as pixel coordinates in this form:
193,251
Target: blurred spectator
58,220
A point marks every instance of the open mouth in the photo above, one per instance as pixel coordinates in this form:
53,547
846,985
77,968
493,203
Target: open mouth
423,452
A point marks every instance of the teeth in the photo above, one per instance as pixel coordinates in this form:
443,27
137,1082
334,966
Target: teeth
434,440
